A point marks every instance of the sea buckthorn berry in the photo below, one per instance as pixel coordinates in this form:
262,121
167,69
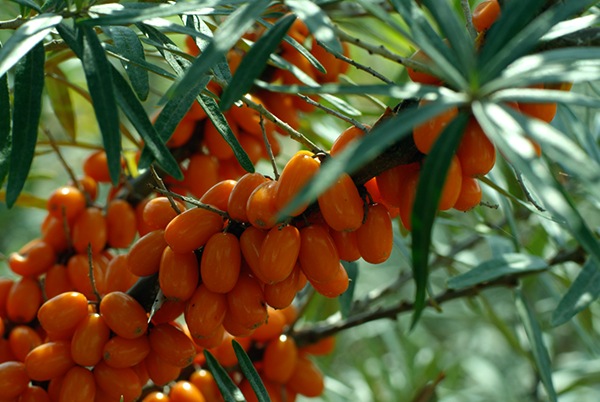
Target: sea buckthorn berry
298,31
102,396
89,339
54,387
272,328
225,354
23,300
282,106
183,132
49,360
476,152
345,242
57,281
158,212
238,199
281,294
406,203
218,195
375,238
120,352
246,302
33,393
207,385
178,274
230,169
250,243
216,144
78,268
321,348
160,371
279,252
142,227
88,185
33,259
168,311
318,256
452,184
221,262
143,258
485,14
156,396
6,354
118,276
172,345
347,137
341,205
279,359
204,312
5,285
422,78
249,119
192,229
22,340
335,287
78,385
90,228
252,146
261,208
470,194
63,312
202,174
306,379
233,327
296,174
13,379
427,133
124,315
327,60
542,111
120,223
68,198
141,371
274,390
96,166
185,391
211,342
53,233
390,183
118,382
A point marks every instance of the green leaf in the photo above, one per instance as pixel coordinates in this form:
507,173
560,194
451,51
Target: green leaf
316,20
128,44
225,37
229,391
429,190
25,38
531,95
571,26
538,348
581,132
250,373
29,85
71,38
139,63
28,3
54,5
507,264
254,62
177,63
133,109
213,112
61,102
347,297
5,138
99,78
582,292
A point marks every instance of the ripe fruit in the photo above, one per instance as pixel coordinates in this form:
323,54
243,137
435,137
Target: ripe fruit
178,274
204,312
202,174
56,281
49,360
296,174
172,345
246,302
78,385
89,339
184,391
120,352
218,195
157,213
118,277
347,136
22,340
23,300
420,77
375,237
279,359
341,205
281,294
124,315
238,199
160,371
67,200
192,229
33,259
63,312
336,286
261,208
120,223
306,379
90,227
485,14
345,242
425,134
318,254
406,203
13,379
118,382
452,184
470,194
278,253
78,269
221,262
143,258
476,152
250,243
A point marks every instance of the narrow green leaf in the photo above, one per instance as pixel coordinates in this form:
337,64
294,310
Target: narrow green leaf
5,122
177,63
29,85
98,76
582,292
28,3
250,373
71,38
507,264
25,38
142,64
538,348
128,44
133,109
225,37
52,5
254,62
60,98
429,190
347,297
571,26
229,391
531,95
581,132
316,20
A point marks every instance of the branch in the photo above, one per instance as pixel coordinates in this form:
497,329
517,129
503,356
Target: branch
12,24
335,113
469,18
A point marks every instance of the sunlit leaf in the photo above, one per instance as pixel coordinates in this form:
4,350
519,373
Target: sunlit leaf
128,44
250,373
60,98
316,20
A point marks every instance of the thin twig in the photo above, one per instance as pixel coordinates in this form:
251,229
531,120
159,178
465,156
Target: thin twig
91,274
526,192
469,18
268,146
334,113
191,200
13,24
488,205
161,185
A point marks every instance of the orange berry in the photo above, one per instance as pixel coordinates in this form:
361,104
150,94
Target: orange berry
204,312
22,340
279,252
6,354
118,382
57,281
329,61
68,198
124,315
261,209
218,195
78,385
406,203
49,360
272,328
141,371
156,396
452,184
420,77
425,134
90,227
347,137
306,379
160,371
212,341
390,183
281,294
233,327
298,31
485,14
178,274
221,262
168,311
238,199
172,345
216,144
63,312
225,354
120,223
120,352
345,242
296,174
249,119
184,391
279,359
96,166
143,258
202,174
341,205
542,111
206,383
375,238
274,390
250,243
476,152
158,212
335,287
13,379
246,302
53,233
252,146
183,132
118,277
23,300
470,194
282,106
321,348
192,229
89,186
142,227
5,285
33,259
33,393
318,256
78,268
89,339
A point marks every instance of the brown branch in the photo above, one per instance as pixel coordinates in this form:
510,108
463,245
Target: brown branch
335,113
162,186
91,274
191,200
13,24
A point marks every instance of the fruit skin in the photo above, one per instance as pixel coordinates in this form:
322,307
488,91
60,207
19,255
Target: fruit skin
278,253
172,345
178,274
306,379
470,195
78,385
426,133
192,229
318,255
89,339
476,152
246,302
261,208
63,312
341,205
375,237
49,360
204,312
279,359
221,262
143,258
299,170
13,379
485,14
124,315
336,286
118,382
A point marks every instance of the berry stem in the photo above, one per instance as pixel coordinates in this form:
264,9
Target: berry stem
161,184
268,146
468,17
91,274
